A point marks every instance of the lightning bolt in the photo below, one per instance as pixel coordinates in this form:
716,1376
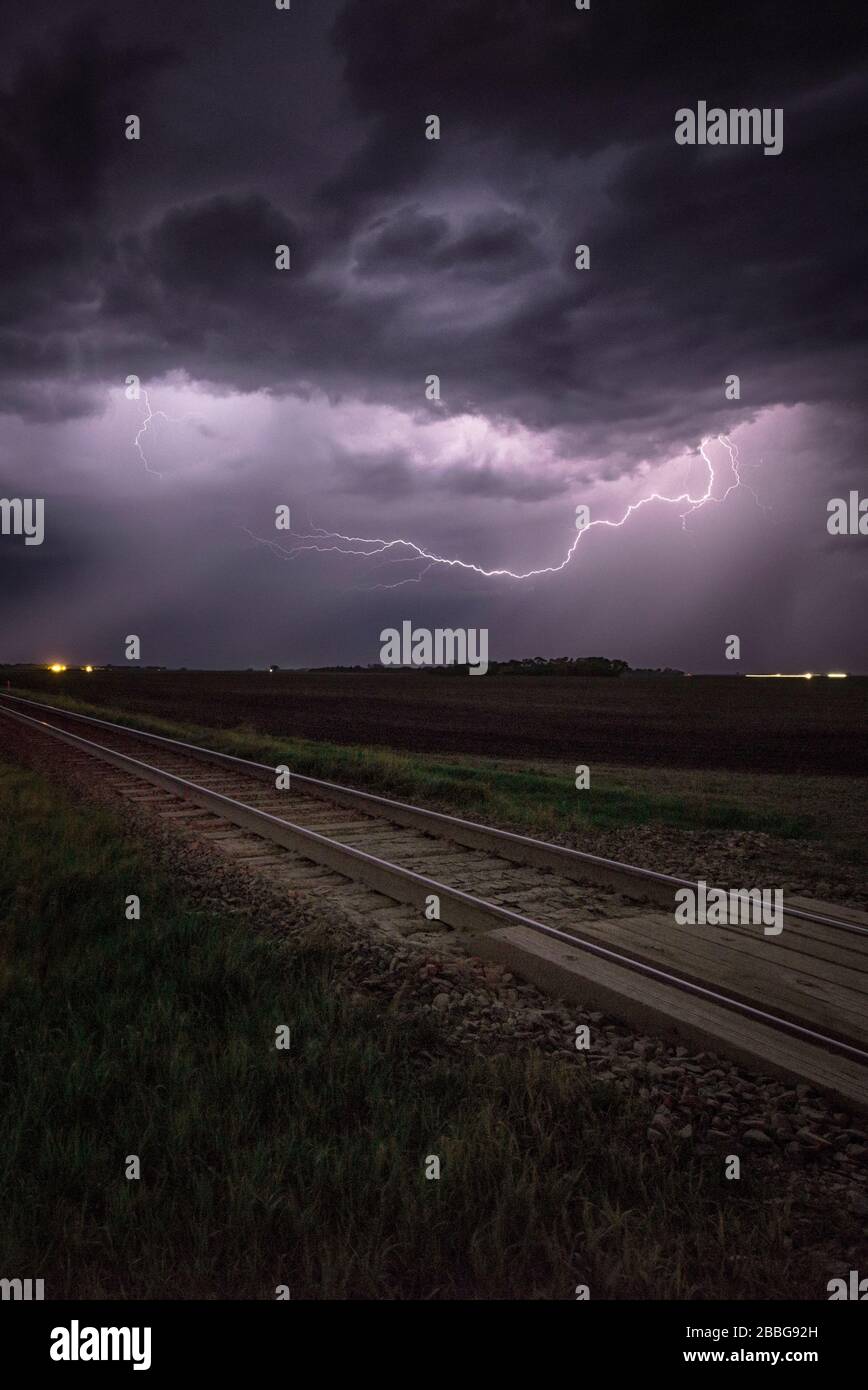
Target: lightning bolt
328,542
143,429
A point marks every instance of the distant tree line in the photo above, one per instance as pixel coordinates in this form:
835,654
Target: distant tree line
525,666
560,666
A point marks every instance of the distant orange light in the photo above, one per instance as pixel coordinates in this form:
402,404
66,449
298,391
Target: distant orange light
56,667
88,668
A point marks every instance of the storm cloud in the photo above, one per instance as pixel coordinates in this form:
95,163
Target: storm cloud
414,259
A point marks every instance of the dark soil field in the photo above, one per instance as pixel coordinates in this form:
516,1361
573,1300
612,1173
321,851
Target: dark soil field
788,726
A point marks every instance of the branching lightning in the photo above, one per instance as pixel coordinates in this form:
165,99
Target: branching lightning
143,429
330,542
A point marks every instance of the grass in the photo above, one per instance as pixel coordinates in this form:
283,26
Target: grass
541,798
306,1168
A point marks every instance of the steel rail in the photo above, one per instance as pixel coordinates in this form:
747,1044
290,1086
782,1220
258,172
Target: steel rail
416,887
522,849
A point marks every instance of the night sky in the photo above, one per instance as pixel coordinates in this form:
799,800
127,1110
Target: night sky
412,257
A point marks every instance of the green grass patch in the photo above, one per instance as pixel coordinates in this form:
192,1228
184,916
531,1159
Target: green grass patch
306,1167
541,799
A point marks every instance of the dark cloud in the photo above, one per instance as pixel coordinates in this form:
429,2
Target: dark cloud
401,242
455,257
61,131
488,481
702,261
388,475
493,246
541,75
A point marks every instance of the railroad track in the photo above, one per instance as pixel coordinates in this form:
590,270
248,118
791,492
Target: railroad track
580,925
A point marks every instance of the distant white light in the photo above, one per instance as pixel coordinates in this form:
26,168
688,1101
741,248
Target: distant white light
791,675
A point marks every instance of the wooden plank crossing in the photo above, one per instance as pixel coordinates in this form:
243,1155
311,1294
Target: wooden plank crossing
813,975
656,1007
